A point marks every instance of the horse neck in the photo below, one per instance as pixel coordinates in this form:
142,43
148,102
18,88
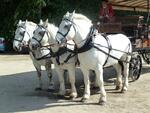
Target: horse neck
52,40
30,29
82,31
37,53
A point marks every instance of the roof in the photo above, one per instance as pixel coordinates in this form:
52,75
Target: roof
132,5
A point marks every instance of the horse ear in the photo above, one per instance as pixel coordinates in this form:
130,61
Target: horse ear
73,12
26,21
46,20
71,15
41,22
20,21
67,14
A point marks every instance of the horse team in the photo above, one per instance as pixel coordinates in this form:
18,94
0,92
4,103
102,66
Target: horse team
75,40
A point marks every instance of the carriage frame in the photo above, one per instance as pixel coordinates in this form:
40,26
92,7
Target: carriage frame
138,32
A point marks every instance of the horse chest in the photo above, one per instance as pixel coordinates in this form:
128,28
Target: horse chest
91,58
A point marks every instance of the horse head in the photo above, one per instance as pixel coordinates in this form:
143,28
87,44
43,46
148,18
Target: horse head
23,34
73,27
43,35
65,31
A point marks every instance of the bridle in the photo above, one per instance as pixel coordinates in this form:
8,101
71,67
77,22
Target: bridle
42,35
22,34
71,25
65,35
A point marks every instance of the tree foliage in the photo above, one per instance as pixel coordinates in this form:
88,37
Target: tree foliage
13,10
34,10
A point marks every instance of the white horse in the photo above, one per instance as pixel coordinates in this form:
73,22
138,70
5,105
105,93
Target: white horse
23,34
105,51
44,35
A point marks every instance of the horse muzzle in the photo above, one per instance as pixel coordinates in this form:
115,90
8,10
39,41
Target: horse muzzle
35,46
17,48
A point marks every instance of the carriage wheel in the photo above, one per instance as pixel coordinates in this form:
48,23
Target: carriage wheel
135,67
146,57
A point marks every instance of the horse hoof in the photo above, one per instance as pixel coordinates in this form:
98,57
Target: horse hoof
38,89
118,87
50,90
123,90
73,95
72,98
84,100
102,103
61,96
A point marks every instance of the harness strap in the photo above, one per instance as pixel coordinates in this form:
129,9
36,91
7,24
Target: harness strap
88,44
109,47
69,56
57,60
37,41
44,57
41,58
18,40
110,55
60,52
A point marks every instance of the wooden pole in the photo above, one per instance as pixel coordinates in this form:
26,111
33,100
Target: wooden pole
148,3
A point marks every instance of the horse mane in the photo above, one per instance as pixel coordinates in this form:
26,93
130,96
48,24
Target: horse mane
31,23
80,17
52,29
28,22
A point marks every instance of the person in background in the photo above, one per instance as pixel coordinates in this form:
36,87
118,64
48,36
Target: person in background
141,28
106,13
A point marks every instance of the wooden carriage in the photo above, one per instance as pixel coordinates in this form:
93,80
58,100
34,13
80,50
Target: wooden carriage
129,25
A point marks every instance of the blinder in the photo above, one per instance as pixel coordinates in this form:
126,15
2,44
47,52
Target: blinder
41,33
21,34
68,27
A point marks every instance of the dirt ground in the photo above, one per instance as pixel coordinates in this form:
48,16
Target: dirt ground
17,95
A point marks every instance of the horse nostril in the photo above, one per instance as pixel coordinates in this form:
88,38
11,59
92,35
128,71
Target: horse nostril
15,48
34,46
58,42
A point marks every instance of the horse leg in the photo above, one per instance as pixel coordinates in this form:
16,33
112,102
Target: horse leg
62,90
94,81
126,73
99,76
38,70
71,71
86,83
49,74
118,68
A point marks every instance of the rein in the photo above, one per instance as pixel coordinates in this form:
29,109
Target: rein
89,44
61,50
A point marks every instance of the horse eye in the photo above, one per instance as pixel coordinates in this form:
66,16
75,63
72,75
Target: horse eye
41,33
22,33
66,26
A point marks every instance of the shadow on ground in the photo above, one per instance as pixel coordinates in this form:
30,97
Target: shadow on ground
17,91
